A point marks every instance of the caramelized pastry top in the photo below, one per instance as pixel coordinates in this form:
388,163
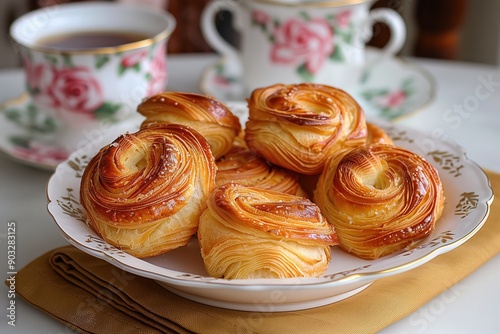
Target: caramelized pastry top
190,105
380,198
377,135
242,166
298,126
248,232
147,175
272,213
206,115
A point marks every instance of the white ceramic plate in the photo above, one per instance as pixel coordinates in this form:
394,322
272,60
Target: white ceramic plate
468,197
392,89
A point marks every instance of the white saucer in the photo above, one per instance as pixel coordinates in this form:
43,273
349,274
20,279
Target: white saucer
392,89
28,135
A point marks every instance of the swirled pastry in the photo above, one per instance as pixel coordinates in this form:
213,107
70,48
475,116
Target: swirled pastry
377,135
242,166
299,126
248,232
206,115
145,192
380,198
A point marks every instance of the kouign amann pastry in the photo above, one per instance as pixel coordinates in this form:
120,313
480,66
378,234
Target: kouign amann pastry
242,166
299,126
145,192
380,198
206,115
248,232
377,135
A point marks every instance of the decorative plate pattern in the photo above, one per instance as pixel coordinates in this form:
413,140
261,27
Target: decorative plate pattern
468,197
392,89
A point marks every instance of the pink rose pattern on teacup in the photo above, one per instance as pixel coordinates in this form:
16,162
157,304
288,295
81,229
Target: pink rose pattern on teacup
132,61
260,18
305,42
39,76
76,90
56,83
157,74
343,19
59,85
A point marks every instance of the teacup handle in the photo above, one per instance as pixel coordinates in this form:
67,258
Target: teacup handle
215,40
397,27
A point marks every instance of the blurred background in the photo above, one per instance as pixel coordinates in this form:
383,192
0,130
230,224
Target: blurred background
462,30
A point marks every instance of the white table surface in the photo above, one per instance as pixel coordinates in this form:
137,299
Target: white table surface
471,306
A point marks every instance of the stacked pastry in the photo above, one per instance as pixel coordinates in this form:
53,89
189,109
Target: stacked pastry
379,197
244,167
211,118
192,169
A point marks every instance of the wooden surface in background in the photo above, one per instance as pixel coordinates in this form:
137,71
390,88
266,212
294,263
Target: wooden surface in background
439,23
187,36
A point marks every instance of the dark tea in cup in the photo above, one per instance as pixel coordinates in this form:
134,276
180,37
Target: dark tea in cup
89,40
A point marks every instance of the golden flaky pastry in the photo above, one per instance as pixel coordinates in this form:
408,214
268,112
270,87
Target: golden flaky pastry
380,198
144,193
299,126
377,135
242,166
206,115
248,232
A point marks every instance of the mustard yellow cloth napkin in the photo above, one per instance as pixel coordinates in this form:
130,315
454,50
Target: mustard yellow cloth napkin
90,295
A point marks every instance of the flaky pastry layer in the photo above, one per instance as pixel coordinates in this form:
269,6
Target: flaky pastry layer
208,116
144,192
242,166
248,232
380,198
299,126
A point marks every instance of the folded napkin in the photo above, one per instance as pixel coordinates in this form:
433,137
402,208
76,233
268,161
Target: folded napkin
90,295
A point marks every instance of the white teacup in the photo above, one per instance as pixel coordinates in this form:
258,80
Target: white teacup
88,65
320,41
